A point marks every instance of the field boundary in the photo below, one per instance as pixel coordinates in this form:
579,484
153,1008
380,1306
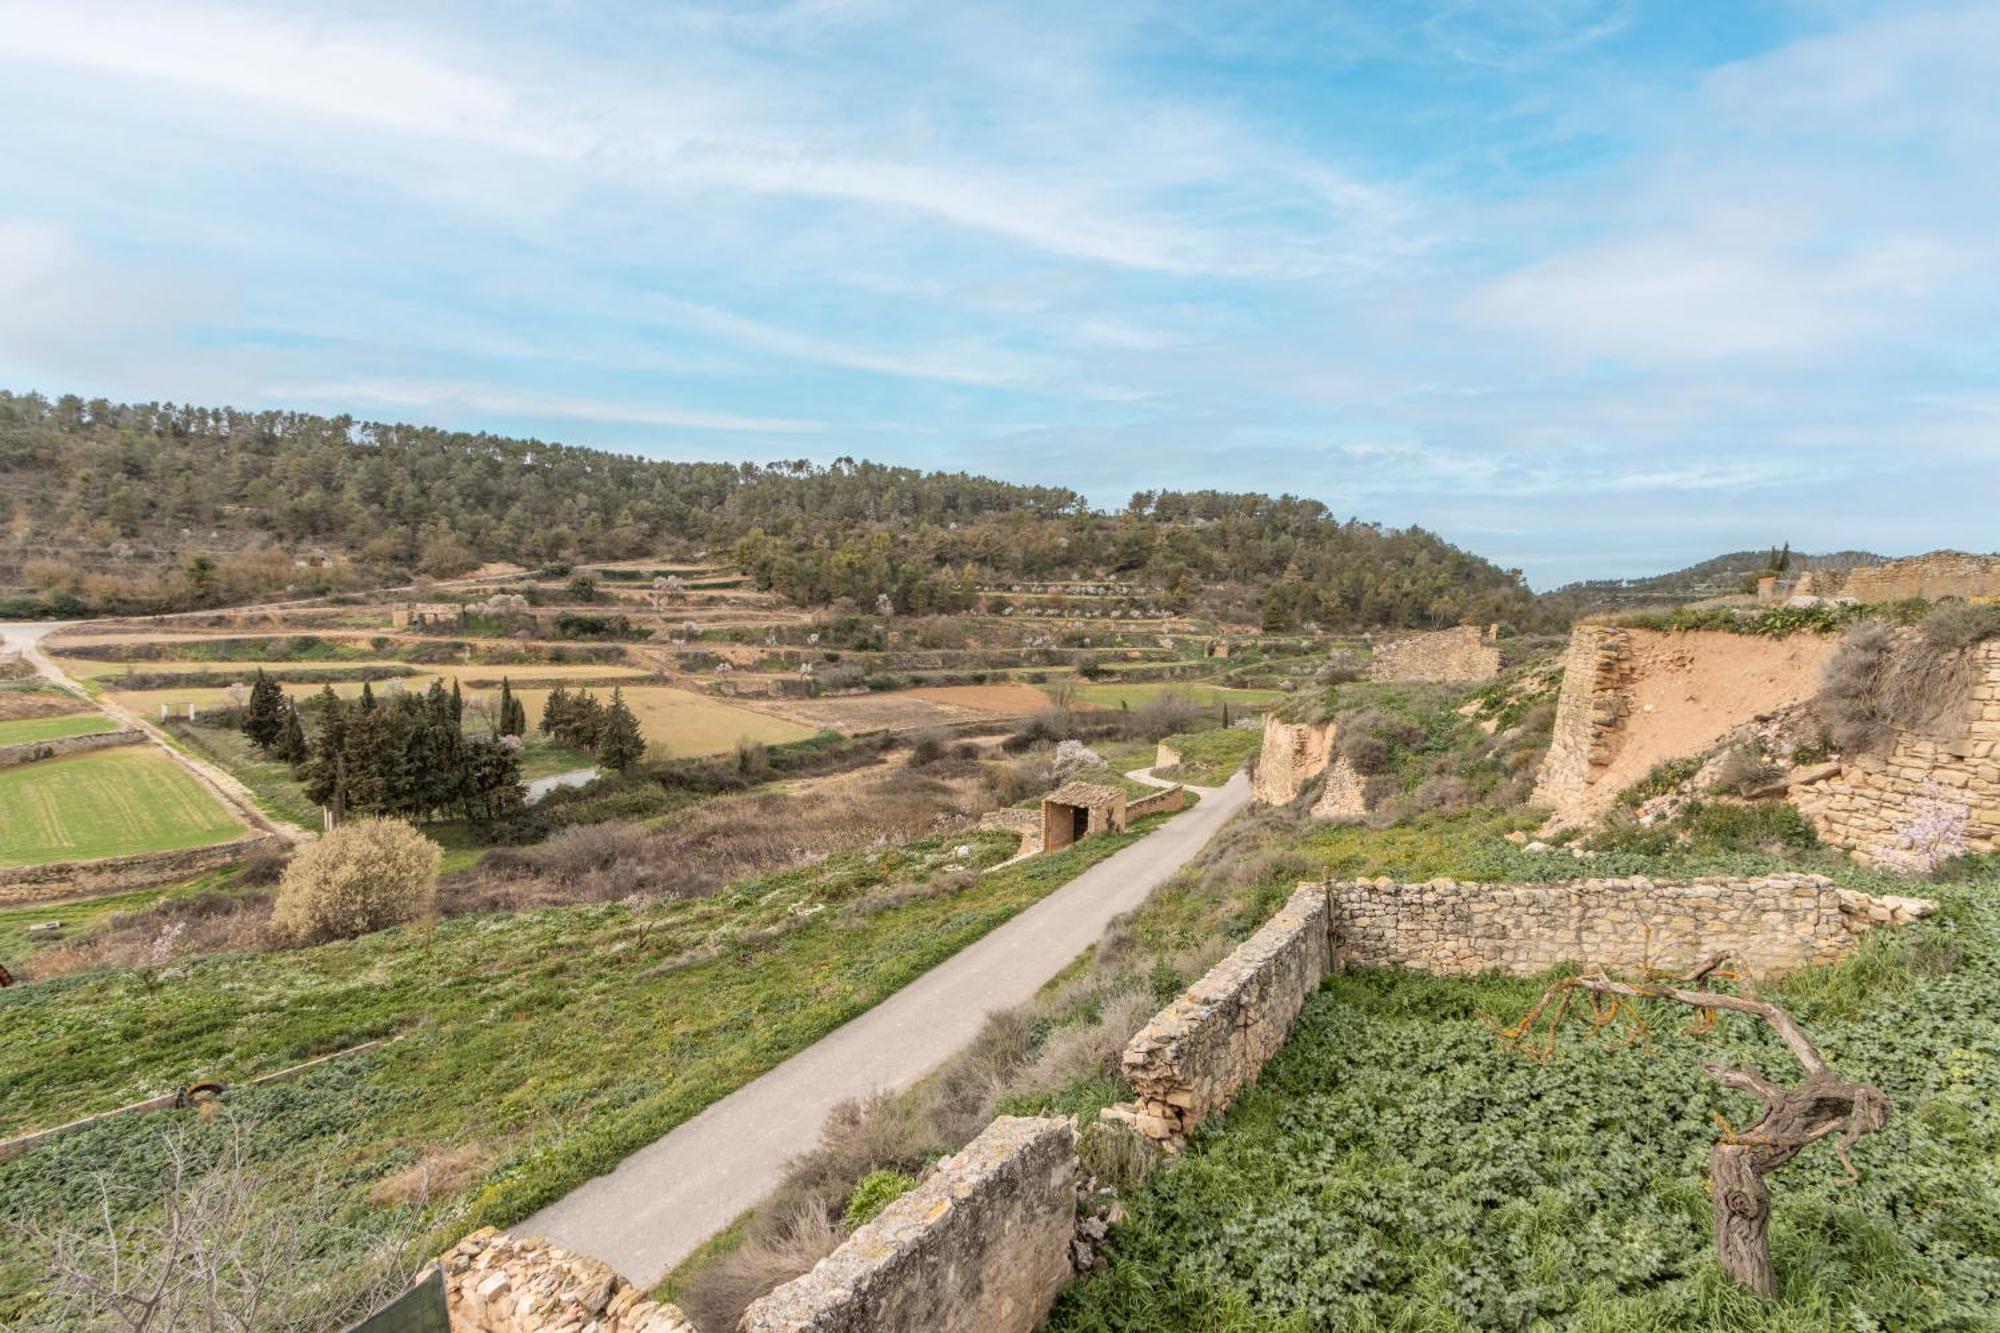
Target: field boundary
31,752
78,881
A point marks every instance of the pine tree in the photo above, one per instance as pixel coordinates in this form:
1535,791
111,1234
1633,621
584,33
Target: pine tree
264,720
556,713
367,697
619,744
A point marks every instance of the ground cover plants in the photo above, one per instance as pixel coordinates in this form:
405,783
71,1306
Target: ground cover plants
1210,758
106,803
28,729
549,1044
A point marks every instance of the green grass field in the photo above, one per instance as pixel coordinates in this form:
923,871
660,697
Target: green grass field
1209,758
1136,694
23,730
106,803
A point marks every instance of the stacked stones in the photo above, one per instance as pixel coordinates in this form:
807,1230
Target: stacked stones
1190,1061
1345,795
1939,574
497,1283
1293,754
1588,713
1447,656
1772,925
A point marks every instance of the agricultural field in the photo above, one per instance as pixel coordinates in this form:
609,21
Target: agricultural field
147,703
912,709
24,730
106,803
16,945
684,723
1138,693
1397,1166
537,1048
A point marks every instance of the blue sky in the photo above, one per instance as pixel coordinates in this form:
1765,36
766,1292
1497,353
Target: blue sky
1591,287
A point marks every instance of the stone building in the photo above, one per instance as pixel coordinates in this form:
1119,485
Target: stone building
426,615
1076,810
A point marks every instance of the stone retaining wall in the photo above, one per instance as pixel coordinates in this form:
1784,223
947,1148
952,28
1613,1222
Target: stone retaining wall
1345,795
1446,656
1025,824
1871,798
1173,798
63,880
30,752
981,1246
1588,711
497,1283
1293,754
1938,574
1165,756
1773,925
1190,1061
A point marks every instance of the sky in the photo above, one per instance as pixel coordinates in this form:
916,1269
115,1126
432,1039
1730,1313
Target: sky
1591,287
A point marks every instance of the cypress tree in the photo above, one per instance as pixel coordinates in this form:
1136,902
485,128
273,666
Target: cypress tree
619,744
556,712
457,704
264,721
367,698
326,767
508,703
292,747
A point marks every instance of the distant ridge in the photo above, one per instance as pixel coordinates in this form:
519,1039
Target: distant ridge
1718,576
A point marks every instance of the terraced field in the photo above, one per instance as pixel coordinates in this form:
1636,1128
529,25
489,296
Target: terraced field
106,803
688,723
1135,694
23,730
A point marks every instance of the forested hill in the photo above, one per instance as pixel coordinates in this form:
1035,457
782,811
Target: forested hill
151,507
1717,576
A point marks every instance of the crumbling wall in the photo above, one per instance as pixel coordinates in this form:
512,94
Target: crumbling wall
1190,1061
1165,756
1446,656
1345,795
59,880
1632,698
981,1246
1938,574
1773,925
1871,799
497,1283
1171,799
1025,824
1293,754
30,752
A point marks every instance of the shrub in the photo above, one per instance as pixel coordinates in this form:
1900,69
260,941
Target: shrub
363,876
928,748
1114,1154
1742,771
1850,698
1955,626
877,1190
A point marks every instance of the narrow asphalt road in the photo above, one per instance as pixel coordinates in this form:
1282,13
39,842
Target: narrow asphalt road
662,1202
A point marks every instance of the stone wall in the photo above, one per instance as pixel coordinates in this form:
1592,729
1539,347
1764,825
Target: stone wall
1938,574
1190,1061
1870,798
1166,756
981,1246
1447,656
1345,795
1025,824
1293,754
60,880
1773,925
497,1283
1589,709
29,752
1171,799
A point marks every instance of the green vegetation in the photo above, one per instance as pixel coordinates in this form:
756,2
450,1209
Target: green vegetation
1777,622
106,803
1398,1167
24,730
1139,693
78,917
555,1041
877,1190
1210,758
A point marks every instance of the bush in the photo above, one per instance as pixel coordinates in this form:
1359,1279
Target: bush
877,1190
928,748
1955,626
362,877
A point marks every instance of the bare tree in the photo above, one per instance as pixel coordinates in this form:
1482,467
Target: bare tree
1822,1105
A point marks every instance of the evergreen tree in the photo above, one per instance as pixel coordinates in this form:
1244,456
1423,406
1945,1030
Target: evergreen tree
367,701
619,744
556,712
457,704
264,719
326,767
513,717
291,746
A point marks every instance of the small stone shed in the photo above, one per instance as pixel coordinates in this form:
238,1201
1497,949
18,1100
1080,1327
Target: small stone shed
1076,810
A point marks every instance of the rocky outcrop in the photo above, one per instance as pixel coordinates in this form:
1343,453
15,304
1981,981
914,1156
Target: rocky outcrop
497,1283
1191,1060
1773,925
1447,656
1293,754
981,1246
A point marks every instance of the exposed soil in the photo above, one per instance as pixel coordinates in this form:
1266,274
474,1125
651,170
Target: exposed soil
20,705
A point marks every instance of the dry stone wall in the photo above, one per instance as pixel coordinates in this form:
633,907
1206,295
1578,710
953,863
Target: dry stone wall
981,1246
1774,925
1446,656
1170,799
1868,803
1190,1061
1589,709
1938,574
497,1283
1293,754
1345,795
30,752
61,880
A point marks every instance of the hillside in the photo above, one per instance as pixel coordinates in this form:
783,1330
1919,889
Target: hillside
151,507
1718,576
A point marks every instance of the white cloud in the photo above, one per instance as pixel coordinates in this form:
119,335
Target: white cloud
957,360
437,395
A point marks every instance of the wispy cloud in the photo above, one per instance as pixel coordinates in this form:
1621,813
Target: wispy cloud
450,397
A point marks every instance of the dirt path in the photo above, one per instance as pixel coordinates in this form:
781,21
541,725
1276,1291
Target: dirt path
26,638
666,1199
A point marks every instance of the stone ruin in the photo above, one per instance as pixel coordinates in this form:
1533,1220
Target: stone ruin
497,1283
1447,656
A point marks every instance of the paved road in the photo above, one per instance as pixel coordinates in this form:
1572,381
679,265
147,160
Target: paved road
25,637
575,777
667,1198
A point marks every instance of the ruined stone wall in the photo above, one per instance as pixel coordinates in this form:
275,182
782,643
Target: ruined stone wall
1872,798
1293,754
1345,795
1025,824
497,1283
1938,574
1173,798
1773,925
61,880
981,1246
1165,756
1447,656
1190,1061
29,752
1588,711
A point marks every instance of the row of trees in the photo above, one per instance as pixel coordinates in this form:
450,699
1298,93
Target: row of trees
609,731
407,756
